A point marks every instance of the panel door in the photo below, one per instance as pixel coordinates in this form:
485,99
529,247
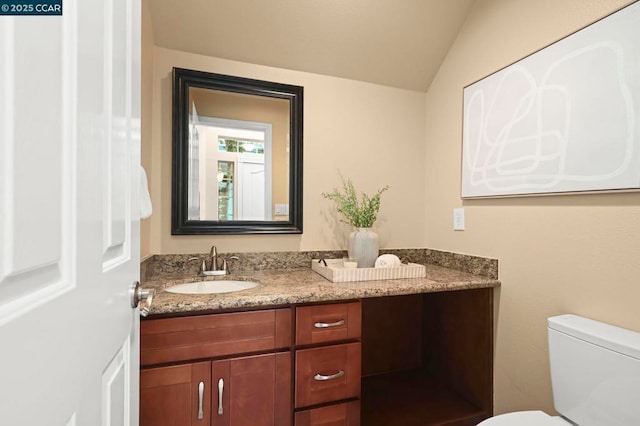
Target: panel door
69,215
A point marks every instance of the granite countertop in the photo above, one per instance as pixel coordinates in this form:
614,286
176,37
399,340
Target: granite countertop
294,286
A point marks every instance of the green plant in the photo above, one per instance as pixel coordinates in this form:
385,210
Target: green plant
361,213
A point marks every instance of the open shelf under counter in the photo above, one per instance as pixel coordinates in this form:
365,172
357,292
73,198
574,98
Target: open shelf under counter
427,359
414,398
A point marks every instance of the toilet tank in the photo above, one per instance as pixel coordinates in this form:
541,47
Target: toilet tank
595,371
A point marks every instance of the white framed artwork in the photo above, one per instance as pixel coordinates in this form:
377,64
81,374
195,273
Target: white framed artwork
563,119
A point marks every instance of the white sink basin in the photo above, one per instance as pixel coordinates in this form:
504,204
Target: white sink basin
211,287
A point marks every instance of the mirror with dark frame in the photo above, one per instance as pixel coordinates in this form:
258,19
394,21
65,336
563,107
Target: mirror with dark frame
237,155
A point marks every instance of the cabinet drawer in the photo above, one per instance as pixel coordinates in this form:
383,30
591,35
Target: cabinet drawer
327,374
333,415
328,323
206,336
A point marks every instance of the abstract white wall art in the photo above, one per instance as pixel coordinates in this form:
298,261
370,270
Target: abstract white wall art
564,119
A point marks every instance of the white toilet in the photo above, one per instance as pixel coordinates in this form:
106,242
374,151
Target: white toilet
595,375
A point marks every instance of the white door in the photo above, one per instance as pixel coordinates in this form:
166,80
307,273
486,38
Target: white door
69,215
193,205
251,190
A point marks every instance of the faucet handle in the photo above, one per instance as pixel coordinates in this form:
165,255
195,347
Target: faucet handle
225,264
203,266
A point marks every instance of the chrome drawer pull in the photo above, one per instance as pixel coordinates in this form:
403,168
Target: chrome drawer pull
220,391
321,377
200,396
328,324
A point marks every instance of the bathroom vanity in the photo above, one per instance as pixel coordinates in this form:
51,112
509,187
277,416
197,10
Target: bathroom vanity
300,350
233,366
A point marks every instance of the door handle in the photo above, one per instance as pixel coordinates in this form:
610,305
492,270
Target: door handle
141,298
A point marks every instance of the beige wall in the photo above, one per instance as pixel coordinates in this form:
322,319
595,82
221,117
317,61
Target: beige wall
373,134
558,254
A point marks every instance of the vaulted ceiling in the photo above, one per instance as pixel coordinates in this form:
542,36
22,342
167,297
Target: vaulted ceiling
398,43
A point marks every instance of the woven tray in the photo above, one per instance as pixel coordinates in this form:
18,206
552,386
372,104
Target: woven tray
337,273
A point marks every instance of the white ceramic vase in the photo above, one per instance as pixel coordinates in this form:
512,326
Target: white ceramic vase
363,247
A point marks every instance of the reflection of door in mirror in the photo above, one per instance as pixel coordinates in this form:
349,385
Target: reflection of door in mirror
253,202
239,162
193,212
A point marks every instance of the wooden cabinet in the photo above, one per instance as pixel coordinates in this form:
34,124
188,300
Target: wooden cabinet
421,359
347,414
327,374
327,364
176,395
317,324
428,359
252,391
228,389
208,336
245,391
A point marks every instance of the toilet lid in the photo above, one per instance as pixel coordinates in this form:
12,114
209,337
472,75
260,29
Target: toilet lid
524,418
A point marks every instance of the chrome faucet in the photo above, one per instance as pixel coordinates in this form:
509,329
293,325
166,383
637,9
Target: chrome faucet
213,259
212,266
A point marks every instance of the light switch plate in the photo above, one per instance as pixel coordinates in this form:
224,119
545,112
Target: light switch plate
282,209
458,219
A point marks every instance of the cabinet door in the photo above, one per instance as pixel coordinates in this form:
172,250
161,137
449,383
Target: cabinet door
178,395
252,391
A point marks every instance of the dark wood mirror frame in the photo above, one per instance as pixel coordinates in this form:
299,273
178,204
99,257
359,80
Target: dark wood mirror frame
183,79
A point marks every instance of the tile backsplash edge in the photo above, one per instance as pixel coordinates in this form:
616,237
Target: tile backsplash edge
167,264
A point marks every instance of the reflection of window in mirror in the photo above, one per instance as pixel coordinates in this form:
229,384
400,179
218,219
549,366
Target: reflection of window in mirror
225,194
